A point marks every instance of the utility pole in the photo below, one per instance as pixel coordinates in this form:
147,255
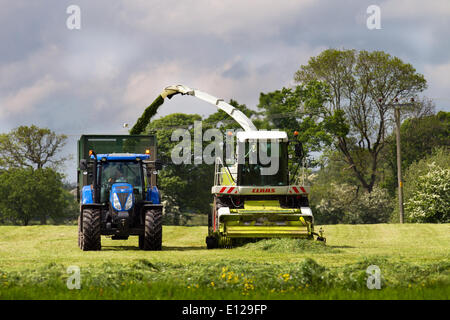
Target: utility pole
396,107
399,163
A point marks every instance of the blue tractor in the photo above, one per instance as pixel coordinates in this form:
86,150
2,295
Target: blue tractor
117,191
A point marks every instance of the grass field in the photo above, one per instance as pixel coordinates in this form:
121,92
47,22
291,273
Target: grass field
414,261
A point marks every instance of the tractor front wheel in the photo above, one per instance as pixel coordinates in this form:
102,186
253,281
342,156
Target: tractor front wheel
90,230
152,239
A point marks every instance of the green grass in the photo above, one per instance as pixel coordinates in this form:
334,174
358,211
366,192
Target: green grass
414,261
290,246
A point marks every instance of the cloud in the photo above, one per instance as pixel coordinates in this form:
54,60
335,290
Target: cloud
42,60
25,99
415,9
205,17
237,69
255,74
439,75
101,55
439,83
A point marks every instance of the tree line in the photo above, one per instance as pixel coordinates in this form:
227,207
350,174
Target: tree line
31,188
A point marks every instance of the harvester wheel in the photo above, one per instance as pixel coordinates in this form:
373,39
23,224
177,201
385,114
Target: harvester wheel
152,239
319,238
91,230
225,242
212,242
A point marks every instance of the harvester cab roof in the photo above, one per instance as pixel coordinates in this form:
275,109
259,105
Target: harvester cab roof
243,136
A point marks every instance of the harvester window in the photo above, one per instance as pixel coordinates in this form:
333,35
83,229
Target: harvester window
250,173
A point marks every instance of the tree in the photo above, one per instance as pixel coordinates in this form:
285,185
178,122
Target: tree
184,187
419,137
357,115
27,194
282,108
285,110
222,121
164,127
31,147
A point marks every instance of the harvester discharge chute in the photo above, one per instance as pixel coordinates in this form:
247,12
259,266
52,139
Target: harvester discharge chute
250,202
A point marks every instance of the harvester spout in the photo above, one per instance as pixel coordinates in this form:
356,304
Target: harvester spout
170,91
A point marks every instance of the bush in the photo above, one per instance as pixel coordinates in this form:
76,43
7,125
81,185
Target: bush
425,187
431,201
346,204
333,202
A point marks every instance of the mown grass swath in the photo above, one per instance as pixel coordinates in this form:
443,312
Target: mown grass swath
413,259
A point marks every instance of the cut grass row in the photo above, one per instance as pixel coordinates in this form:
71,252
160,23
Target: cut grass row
414,262
230,279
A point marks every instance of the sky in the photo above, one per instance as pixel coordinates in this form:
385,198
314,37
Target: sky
94,79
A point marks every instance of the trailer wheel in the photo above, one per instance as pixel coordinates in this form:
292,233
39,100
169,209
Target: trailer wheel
141,242
91,230
80,234
152,239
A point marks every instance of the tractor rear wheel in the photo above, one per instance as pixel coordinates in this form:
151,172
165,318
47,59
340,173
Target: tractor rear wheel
91,230
152,239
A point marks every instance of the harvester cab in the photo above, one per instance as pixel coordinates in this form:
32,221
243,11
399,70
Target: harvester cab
118,192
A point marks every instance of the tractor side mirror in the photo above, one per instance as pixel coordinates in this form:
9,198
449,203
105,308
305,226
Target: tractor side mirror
299,153
83,165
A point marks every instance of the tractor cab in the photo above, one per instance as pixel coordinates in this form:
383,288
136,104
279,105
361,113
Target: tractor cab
119,172
118,176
